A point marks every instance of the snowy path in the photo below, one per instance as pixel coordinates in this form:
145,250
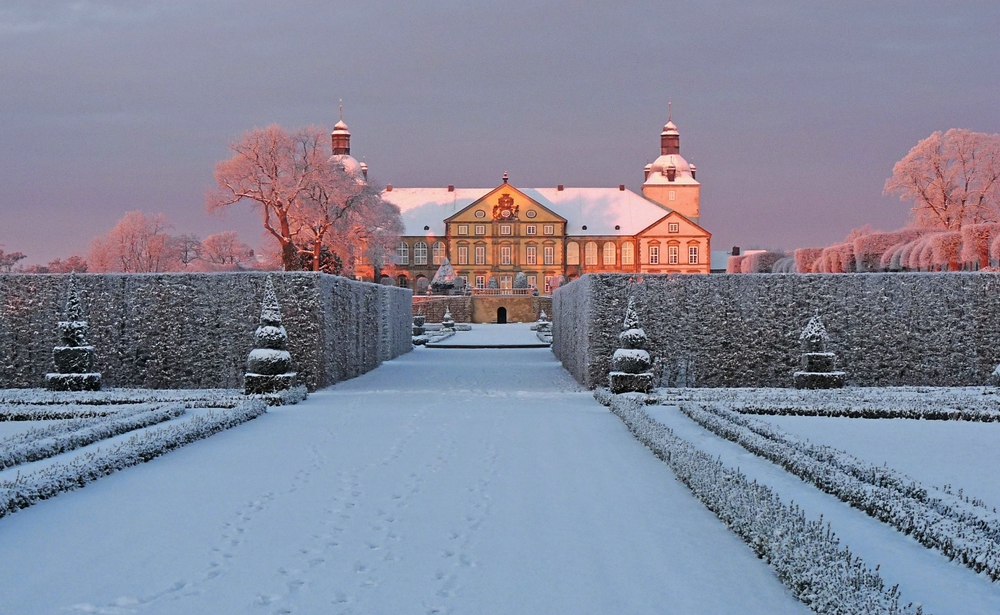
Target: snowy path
466,481
925,576
512,335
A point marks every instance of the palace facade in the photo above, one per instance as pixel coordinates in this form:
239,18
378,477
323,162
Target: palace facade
549,233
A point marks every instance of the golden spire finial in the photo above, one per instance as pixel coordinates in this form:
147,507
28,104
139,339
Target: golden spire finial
670,111
341,109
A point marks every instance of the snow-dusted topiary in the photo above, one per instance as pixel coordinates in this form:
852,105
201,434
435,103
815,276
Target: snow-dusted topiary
817,364
447,321
74,359
630,364
419,332
492,284
444,278
269,366
520,280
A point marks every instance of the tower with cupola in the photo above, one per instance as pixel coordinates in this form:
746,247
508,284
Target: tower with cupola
670,179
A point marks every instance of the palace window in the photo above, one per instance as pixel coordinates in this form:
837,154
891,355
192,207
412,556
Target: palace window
505,229
590,253
402,254
572,253
480,281
438,254
610,252
654,255
504,255
692,255
505,282
480,255
480,229
548,284
420,253
548,229
463,229
463,255
532,281
549,254
531,255
673,227
671,195
672,255
529,229
465,279
628,253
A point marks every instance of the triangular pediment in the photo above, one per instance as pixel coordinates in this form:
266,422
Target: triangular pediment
686,226
505,198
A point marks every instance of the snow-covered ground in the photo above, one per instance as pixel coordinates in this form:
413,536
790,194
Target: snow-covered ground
489,335
957,453
467,481
924,576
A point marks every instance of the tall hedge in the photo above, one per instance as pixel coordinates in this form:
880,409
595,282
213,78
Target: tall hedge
891,329
195,330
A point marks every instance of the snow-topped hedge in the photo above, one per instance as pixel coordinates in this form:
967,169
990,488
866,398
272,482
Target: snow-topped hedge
805,555
962,529
936,329
928,403
64,436
195,330
29,488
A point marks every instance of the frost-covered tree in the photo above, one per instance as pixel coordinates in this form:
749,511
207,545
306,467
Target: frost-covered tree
817,364
269,366
138,243
444,278
952,178
630,364
225,249
9,259
493,284
74,357
273,169
520,280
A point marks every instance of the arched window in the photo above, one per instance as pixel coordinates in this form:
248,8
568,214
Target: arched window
628,253
438,252
590,253
402,254
572,253
610,252
420,253
402,282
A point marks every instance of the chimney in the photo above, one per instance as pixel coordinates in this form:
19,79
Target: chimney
736,250
621,187
388,188
451,187
559,188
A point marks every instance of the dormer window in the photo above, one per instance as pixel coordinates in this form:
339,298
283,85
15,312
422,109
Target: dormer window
673,227
671,172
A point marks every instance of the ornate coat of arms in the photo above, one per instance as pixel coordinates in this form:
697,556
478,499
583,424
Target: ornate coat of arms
505,208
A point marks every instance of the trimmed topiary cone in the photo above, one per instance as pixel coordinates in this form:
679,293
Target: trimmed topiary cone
269,366
74,359
817,364
631,363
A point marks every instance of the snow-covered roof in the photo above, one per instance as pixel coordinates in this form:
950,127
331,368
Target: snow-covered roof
599,209
428,207
658,171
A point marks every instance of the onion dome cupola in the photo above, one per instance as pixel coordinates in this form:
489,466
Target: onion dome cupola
341,137
670,167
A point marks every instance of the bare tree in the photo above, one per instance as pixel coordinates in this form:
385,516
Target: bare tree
952,179
272,169
187,248
225,249
8,260
72,264
138,243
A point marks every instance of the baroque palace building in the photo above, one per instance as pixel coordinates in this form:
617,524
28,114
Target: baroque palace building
553,233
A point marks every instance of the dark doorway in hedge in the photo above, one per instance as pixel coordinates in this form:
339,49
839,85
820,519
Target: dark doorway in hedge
502,316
